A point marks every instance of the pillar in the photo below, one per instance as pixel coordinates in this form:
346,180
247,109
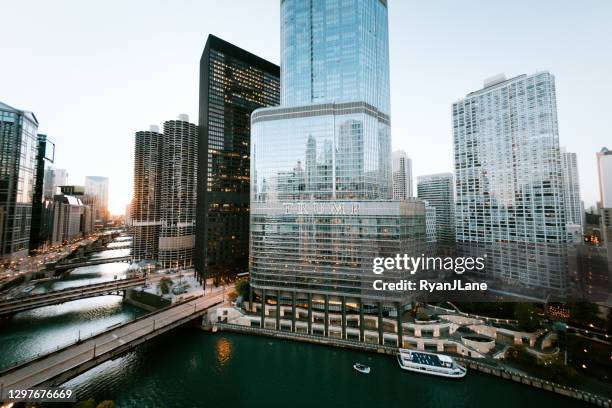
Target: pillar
361,321
326,325
381,339
400,329
263,309
293,311
310,313
343,317
278,300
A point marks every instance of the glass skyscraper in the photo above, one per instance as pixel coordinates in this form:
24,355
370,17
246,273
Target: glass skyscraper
321,206
437,190
18,148
509,182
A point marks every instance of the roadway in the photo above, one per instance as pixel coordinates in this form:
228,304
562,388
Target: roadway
12,306
59,366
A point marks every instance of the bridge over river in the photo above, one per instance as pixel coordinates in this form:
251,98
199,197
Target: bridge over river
22,304
59,366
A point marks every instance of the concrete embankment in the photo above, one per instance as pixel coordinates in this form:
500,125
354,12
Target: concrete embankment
469,363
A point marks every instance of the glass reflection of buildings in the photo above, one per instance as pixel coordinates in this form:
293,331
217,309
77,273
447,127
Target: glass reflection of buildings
509,184
321,206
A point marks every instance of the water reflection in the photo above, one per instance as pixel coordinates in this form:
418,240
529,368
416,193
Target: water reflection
224,350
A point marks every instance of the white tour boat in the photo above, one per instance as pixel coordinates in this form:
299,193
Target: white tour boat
430,363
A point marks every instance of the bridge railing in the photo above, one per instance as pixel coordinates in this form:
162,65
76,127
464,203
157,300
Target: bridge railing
60,347
66,291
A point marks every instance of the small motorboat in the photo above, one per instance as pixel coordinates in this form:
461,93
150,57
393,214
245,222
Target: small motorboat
362,368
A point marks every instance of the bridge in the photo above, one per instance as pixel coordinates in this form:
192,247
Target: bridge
59,366
13,306
99,261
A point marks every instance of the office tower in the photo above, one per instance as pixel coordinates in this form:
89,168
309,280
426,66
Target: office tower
402,175
178,193
40,233
233,83
321,194
430,222
18,148
571,189
437,190
97,187
510,201
54,178
146,206
604,171
71,218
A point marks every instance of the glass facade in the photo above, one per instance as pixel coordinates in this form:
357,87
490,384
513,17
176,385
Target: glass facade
233,84
321,185
437,190
509,181
18,149
334,51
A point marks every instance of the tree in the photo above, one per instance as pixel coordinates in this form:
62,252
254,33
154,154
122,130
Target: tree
164,285
88,403
243,288
527,317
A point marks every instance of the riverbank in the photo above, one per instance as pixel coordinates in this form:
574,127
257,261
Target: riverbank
472,364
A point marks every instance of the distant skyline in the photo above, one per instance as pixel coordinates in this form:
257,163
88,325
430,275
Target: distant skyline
95,73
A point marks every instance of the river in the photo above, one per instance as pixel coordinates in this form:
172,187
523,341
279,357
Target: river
193,368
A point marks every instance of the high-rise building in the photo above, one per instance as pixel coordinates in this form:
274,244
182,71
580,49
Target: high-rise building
604,170
321,186
39,230
509,179
430,223
96,186
18,148
437,190
71,217
54,178
571,189
233,83
146,206
178,193
402,175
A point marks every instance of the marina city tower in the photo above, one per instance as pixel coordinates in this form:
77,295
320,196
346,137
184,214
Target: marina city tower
321,187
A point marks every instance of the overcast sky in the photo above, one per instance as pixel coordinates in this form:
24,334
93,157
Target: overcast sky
96,72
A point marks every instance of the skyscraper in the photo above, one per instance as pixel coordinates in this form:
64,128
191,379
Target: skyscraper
40,233
18,148
54,178
233,83
178,193
146,206
437,190
510,201
604,171
571,188
402,175
321,207
97,186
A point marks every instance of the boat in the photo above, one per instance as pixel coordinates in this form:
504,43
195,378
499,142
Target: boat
430,363
362,368
28,289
